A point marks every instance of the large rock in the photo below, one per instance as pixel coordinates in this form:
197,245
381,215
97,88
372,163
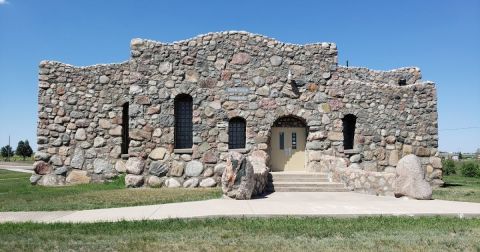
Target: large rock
154,181
194,169
78,158
120,166
158,168
78,177
238,179
410,179
101,166
41,167
51,180
35,178
177,168
172,183
190,183
132,180
135,165
158,153
208,182
81,134
240,59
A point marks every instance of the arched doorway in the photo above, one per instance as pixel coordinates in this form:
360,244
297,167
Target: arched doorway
287,144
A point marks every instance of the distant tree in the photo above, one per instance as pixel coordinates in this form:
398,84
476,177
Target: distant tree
24,149
448,167
6,152
460,156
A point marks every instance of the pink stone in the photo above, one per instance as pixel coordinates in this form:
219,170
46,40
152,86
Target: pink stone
240,59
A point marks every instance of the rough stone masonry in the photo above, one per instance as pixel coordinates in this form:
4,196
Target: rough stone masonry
86,114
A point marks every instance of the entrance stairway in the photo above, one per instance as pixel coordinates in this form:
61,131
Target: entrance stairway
303,182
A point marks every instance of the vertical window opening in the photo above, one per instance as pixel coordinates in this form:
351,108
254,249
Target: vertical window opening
349,131
125,137
236,133
282,141
294,140
183,133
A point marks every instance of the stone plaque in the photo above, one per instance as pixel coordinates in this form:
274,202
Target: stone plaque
237,98
238,90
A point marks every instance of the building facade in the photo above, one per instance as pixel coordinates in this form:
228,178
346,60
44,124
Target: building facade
174,111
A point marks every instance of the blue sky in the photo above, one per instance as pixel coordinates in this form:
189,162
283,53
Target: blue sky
440,37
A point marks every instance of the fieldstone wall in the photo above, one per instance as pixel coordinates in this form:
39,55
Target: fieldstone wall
232,74
79,125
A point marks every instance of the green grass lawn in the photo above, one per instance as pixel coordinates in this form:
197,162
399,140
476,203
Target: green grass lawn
269,234
459,188
16,194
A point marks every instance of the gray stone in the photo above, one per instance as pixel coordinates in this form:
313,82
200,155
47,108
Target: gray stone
355,158
135,165
177,168
35,178
238,177
172,183
208,182
103,79
208,172
78,158
101,165
81,134
154,181
158,168
410,179
42,156
158,153
99,142
120,166
51,180
276,60
259,81
134,180
263,91
165,67
370,166
193,169
191,183
218,169
61,170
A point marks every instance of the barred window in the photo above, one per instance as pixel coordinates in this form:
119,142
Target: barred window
183,121
236,133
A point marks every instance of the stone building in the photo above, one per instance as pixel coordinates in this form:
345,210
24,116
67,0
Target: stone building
170,114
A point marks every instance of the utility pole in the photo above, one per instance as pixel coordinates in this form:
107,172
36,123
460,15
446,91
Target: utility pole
8,152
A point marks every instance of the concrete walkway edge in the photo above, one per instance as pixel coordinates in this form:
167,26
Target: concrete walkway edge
328,204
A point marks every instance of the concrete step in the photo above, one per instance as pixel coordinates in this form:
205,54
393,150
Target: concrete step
309,189
308,184
303,182
298,175
299,179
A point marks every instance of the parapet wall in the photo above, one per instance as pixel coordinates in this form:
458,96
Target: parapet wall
396,77
80,117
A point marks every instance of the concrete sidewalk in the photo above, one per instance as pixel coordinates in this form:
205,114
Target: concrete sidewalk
17,167
343,204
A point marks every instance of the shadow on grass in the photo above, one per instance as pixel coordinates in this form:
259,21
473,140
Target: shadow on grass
446,185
